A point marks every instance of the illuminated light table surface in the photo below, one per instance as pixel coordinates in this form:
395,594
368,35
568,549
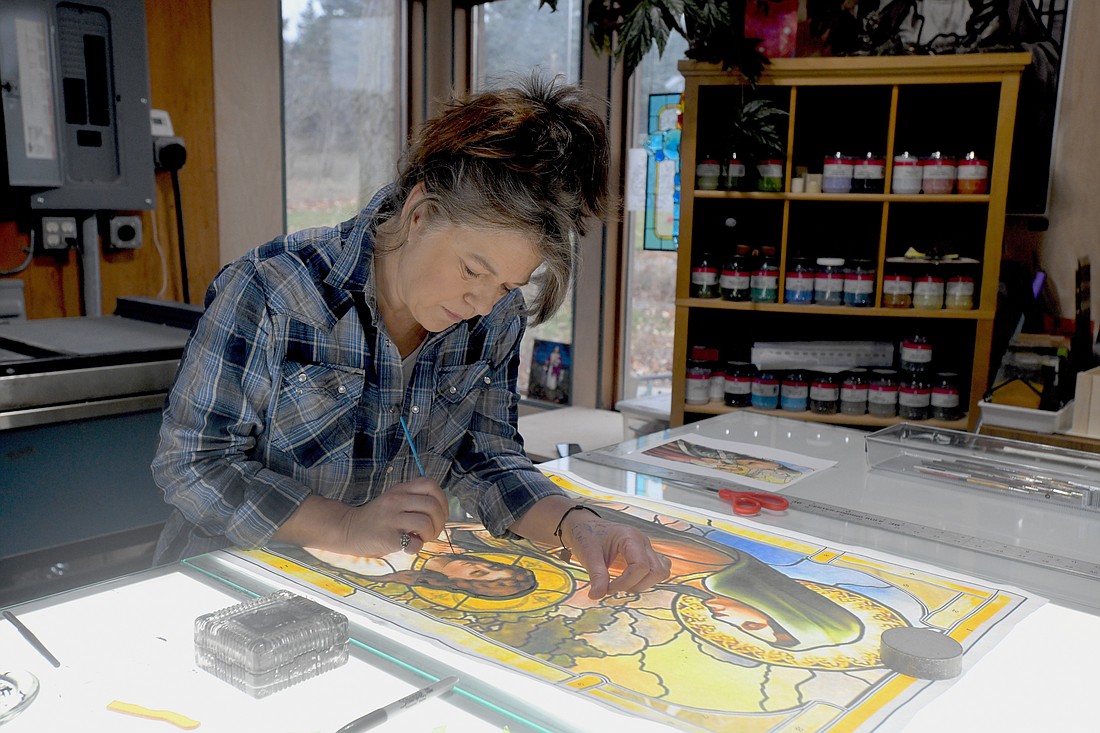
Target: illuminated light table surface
130,639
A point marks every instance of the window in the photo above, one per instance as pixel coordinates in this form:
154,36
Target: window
651,274
551,42
342,105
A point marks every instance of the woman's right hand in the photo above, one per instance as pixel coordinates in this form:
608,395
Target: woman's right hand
417,508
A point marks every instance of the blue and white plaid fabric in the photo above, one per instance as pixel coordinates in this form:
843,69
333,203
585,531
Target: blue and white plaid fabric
271,402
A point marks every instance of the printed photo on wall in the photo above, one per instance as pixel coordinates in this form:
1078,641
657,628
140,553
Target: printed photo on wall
551,372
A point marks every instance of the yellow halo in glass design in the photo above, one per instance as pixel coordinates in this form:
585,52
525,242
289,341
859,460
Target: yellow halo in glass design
553,586
862,653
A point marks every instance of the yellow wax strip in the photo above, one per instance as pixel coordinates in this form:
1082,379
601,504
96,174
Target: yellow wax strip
166,715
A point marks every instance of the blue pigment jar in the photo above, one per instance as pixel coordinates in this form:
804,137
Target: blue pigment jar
798,286
765,391
794,392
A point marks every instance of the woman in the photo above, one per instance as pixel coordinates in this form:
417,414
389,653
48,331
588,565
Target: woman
286,418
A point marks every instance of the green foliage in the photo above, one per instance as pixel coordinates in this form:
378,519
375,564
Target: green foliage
714,30
758,129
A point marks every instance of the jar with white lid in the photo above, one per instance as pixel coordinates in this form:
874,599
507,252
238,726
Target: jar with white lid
829,281
907,175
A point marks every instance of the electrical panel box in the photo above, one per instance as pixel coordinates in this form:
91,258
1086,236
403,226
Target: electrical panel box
74,81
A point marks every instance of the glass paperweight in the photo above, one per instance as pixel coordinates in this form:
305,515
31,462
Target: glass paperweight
270,643
17,690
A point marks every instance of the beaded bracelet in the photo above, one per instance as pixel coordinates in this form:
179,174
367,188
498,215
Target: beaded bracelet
575,507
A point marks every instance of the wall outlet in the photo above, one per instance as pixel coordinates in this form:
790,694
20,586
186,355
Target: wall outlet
58,232
124,232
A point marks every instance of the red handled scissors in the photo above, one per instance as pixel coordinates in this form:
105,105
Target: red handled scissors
749,503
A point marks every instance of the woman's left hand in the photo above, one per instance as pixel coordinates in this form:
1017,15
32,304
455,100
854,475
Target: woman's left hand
604,546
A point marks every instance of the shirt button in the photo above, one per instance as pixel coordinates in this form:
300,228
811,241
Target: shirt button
415,409
341,389
302,377
453,390
389,469
486,380
393,409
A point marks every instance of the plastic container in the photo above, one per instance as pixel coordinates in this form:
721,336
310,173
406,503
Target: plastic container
769,175
938,174
946,403
733,178
798,286
854,385
907,174
915,354
739,376
269,643
794,392
928,292
735,282
829,281
765,390
959,293
859,284
914,398
765,278
897,291
836,174
704,277
869,174
882,393
697,383
708,174
825,394
972,175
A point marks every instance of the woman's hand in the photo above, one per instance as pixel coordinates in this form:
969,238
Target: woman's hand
605,547
416,508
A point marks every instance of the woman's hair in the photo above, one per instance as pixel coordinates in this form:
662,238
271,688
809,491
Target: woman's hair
531,158
521,582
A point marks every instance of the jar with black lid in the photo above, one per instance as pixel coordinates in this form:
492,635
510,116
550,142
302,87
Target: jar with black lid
765,390
736,280
915,354
882,393
739,375
915,397
825,394
946,404
794,392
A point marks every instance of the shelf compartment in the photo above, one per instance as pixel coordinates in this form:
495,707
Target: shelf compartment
830,310
916,198
866,421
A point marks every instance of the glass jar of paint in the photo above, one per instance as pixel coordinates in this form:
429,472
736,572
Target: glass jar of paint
798,285
836,174
854,385
907,175
734,174
825,394
897,291
945,401
765,390
938,174
717,382
765,278
914,398
829,281
735,281
973,175
739,376
882,393
959,293
769,175
869,174
794,392
707,174
704,277
928,292
697,383
859,284
915,354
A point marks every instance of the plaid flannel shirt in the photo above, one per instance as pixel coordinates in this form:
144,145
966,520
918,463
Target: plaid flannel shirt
272,402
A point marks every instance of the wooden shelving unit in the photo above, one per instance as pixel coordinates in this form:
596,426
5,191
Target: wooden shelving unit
885,104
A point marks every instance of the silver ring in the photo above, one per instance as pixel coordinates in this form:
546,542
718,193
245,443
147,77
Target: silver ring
405,540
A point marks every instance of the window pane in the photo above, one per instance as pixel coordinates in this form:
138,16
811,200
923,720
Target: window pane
341,105
651,275
551,42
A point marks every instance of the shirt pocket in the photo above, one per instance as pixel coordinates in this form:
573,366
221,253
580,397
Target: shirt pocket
456,396
314,417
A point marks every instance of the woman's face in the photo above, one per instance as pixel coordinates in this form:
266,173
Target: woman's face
447,273
746,618
475,569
